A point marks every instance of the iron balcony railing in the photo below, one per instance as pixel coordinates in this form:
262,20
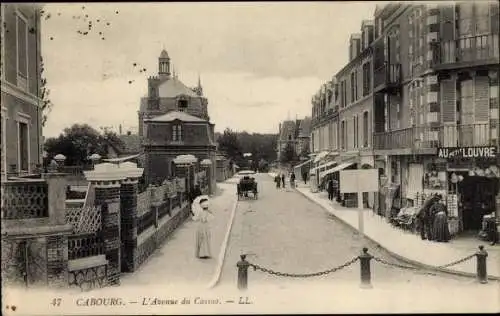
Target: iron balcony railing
387,75
473,49
463,135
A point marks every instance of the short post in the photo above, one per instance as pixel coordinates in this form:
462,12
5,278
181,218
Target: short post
481,256
364,260
242,273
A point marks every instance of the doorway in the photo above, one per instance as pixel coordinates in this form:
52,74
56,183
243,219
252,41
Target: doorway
477,196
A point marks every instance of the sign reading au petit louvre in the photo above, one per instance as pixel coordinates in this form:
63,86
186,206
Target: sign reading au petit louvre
468,152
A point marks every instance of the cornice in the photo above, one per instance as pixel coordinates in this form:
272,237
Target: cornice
11,89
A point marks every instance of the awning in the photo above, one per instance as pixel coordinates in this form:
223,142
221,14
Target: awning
121,159
305,162
338,168
320,156
326,165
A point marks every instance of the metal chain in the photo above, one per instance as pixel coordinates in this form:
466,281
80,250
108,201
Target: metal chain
394,264
305,275
458,261
415,268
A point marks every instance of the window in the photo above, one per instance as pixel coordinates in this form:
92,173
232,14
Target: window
353,85
23,146
182,105
467,102
342,135
3,140
365,129
367,78
482,18
22,46
355,127
177,133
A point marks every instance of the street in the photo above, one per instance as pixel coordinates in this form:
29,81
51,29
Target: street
285,232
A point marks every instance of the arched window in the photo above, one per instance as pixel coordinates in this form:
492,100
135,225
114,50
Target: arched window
177,132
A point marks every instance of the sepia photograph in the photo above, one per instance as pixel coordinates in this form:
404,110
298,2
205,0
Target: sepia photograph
305,157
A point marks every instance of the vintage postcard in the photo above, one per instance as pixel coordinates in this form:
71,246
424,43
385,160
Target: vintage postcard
250,157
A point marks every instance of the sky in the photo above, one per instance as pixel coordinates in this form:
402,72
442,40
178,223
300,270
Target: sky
259,63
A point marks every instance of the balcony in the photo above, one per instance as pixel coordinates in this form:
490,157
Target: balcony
466,52
416,138
387,78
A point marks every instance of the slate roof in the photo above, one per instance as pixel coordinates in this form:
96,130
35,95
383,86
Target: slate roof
305,127
175,115
287,128
173,87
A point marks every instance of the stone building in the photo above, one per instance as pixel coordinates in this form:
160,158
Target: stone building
21,142
173,121
295,133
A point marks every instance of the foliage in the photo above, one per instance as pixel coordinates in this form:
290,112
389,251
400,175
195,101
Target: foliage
80,141
261,146
47,104
288,154
229,144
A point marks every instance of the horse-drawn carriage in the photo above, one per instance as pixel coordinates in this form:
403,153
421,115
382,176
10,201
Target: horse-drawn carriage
245,186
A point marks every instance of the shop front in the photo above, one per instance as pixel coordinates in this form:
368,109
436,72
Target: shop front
467,178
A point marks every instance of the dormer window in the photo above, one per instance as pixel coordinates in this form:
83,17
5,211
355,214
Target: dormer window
182,104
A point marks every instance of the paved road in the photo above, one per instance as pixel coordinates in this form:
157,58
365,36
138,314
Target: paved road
286,232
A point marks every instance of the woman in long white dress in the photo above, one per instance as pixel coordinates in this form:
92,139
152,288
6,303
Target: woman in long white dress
203,236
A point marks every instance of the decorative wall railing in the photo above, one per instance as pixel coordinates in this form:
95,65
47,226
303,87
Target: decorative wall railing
433,137
85,245
145,221
23,199
84,220
143,202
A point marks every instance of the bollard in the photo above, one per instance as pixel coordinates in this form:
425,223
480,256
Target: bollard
242,273
481,256
364,260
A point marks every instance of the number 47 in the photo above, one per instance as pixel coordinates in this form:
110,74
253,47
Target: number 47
56,302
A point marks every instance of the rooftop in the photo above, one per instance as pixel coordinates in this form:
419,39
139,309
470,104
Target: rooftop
175,115
173,87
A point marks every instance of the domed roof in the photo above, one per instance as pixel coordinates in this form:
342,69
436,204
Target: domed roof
164,54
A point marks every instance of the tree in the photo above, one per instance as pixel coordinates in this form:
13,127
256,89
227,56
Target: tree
44,95
289,154
80,141
229,144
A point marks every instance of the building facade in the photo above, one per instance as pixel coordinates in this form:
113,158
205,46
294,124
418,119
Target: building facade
21,141
436,92
173,121
295,134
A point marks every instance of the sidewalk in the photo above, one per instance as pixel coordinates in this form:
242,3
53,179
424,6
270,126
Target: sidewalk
175,263
408,246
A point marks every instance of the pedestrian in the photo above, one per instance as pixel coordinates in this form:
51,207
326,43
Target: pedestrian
292,180
277,180
440,230
304,177
422,216
329,189
283,180
203,235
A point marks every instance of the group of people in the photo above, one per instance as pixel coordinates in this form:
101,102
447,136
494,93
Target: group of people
280,180
433,219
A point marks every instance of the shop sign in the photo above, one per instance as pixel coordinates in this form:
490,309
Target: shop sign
467,152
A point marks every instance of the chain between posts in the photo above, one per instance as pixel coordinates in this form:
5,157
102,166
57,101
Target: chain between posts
304,275
416,268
